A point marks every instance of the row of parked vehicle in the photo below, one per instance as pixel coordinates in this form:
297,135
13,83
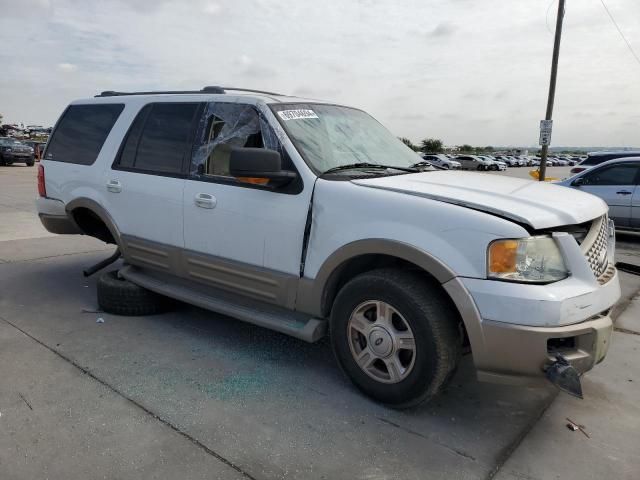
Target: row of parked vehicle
495,162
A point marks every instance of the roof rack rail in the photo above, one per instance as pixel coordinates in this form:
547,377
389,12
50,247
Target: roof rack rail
252,91
207,89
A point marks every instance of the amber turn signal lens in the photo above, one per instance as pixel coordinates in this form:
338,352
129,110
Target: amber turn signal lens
502,256
253,180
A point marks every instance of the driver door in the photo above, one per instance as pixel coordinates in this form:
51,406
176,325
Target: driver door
245,238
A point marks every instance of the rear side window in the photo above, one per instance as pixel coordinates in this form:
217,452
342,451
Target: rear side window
81,132
624,174
159,138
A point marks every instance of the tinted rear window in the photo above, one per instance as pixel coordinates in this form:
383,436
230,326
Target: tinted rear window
159,138
165,137
81,132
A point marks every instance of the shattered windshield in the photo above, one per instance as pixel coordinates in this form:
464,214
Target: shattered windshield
330,136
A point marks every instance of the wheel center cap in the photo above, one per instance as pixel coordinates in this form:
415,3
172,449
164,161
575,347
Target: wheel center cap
380,342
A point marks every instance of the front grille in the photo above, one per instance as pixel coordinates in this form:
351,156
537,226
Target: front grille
595,246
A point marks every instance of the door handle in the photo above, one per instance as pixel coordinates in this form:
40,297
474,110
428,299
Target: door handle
624,192
205,200
114,186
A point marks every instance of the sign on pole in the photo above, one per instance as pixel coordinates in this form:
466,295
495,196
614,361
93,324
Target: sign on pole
545,132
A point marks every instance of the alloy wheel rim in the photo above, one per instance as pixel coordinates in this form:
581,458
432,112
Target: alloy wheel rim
381,341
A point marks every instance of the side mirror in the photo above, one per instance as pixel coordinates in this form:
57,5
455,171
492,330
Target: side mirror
258,166
577,182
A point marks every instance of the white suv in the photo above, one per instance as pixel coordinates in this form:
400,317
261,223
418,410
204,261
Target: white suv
308,217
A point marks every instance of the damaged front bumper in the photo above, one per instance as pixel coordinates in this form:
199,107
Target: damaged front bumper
521,354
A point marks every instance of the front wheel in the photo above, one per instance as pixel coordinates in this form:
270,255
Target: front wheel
494,167
396,336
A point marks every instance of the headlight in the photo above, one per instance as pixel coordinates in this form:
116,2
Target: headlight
531,260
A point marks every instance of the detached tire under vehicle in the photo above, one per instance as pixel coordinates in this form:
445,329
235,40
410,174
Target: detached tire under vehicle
396,336
122,297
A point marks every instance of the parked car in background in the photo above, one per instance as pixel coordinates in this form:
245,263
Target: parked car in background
495,164
38,148
474,162
510,161
14,151
440,160
596,158
617,183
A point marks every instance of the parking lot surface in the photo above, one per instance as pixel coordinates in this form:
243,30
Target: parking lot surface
193,394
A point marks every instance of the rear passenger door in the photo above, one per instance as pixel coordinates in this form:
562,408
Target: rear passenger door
146,181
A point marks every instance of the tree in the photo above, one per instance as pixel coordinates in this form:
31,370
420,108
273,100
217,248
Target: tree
408,143
432,145
466,148
489,149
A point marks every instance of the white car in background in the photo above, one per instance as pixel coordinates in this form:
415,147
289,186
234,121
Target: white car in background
493,163
440,160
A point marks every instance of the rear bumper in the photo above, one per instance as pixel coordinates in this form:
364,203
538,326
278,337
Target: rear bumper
60,224
54,217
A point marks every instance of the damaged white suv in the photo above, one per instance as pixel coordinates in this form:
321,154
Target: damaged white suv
311,218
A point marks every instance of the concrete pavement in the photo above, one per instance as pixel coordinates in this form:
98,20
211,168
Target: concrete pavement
194,394
610,414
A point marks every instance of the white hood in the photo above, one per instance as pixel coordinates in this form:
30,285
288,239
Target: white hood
537,204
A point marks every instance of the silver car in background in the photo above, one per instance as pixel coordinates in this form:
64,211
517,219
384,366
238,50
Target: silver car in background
617,182
441,160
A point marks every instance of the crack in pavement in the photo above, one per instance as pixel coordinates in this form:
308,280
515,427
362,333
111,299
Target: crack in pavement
418,434
13,262
146,410
625,330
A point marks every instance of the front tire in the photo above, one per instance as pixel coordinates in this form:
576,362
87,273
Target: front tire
121,297
396,336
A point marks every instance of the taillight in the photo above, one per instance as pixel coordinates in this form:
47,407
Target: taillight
42,189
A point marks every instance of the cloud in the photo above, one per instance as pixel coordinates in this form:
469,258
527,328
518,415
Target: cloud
451,62
67,67
444,29
211,8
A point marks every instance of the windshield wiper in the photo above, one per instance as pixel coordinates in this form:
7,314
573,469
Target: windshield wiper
353,166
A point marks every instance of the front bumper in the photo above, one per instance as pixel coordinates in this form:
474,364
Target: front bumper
516,354
515,334
18,157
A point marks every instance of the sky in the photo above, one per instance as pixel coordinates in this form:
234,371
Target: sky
464,71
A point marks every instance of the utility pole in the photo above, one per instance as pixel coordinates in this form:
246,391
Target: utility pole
545,127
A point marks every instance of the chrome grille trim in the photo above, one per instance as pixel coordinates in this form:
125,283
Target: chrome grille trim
595,246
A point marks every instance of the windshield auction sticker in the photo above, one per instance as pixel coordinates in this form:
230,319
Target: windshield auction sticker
299,114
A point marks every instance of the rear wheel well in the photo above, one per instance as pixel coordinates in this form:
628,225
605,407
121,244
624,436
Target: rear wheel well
92,225
364,263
